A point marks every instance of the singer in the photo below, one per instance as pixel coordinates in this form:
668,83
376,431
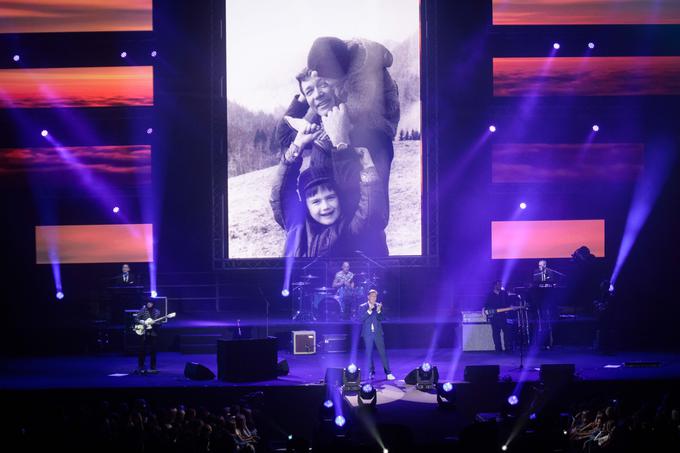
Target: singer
372,331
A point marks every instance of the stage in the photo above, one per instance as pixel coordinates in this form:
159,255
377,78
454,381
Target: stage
115,370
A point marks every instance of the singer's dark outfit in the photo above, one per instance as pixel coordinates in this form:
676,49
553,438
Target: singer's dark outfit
499,321
124,280
372,331
149,337
541,293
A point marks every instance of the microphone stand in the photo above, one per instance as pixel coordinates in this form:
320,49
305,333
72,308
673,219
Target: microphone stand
556,271
266,301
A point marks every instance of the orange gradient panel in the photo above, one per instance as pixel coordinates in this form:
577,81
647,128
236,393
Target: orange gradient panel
76,87
585,12
586,76
545,238
71,244
37,16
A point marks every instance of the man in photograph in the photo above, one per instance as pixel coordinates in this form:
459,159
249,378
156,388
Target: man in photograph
323,88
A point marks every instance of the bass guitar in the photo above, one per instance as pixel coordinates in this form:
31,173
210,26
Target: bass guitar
492,311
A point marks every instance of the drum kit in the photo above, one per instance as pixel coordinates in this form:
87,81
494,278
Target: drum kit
325,303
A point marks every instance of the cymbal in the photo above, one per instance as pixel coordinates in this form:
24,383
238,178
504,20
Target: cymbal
324,289
309,276
300,283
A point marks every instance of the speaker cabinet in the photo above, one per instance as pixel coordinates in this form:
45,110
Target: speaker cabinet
478,337
197,372
557,373
247,360
482,374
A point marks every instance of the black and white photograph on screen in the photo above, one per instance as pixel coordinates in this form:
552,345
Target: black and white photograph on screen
323,129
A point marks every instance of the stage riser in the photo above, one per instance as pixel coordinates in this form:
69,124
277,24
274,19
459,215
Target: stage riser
403,335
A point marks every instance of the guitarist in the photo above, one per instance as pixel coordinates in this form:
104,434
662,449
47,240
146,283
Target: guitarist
498,299
149,338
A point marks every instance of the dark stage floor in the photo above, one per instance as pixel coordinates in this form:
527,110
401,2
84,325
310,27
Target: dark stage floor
103,371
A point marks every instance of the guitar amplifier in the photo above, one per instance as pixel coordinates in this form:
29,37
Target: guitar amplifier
336,342
304,342
473,316
476,332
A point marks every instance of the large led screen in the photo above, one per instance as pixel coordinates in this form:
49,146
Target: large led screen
585,12
323,128
545,238
79,169
108,86
586,76
71,244
566,163
57,16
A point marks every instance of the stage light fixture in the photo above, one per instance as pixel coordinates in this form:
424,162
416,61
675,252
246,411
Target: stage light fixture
351,378
123,54
368,396
532,416
44,133
154,53
504,448
425,377
285,292
340,421
154,294
596,128
446,395
60,295
327,411
556,46
611,288
513,400
492,128
149,130
116,209
591,45
16,57
522,205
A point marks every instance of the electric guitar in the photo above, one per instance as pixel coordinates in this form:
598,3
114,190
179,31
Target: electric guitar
147,324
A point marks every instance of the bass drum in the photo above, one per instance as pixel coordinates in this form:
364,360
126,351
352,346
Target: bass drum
326,308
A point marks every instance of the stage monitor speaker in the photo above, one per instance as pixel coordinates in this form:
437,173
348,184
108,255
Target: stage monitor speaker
412,377
247,360
557,373
333,377
197,372
482,374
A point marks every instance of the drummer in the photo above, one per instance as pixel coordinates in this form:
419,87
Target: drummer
342,282
343,279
